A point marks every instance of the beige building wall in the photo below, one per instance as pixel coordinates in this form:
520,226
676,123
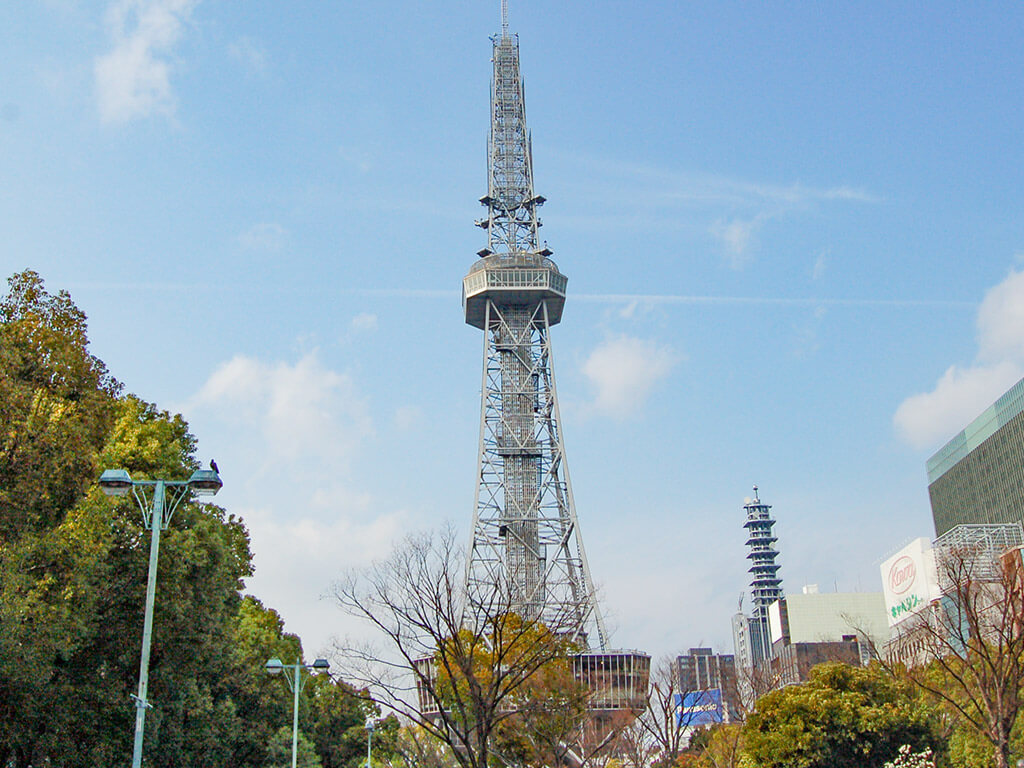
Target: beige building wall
815,617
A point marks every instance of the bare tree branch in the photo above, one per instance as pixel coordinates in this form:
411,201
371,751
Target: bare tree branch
453,667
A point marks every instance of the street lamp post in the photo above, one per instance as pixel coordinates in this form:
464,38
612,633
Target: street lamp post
275,667
157,511
370,725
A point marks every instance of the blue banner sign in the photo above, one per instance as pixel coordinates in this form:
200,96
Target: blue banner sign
699,707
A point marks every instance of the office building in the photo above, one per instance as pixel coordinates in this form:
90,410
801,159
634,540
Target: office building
701,670
978,476
814,617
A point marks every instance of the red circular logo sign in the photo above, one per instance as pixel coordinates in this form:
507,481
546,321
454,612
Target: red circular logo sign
902,575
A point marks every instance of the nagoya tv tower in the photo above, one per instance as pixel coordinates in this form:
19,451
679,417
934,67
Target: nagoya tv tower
525,530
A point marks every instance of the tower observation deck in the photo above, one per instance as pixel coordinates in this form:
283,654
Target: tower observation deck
525,531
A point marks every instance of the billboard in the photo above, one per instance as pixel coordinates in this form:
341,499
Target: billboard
909,580
699,708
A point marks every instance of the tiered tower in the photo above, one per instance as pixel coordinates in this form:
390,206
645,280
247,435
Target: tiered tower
525,531
766,586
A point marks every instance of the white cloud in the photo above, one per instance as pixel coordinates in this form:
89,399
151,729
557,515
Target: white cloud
1001,321
408,417
264,236
624,370
818,270
364,321
296,410
924,420
738,237
806,333
287,436
249,54
297,558
133,79
613,195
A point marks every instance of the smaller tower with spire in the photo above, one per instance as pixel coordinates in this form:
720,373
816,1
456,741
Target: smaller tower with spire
766,587
751,634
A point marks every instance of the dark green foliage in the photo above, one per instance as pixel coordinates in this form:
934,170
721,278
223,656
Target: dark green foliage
73,567
279,754
337,724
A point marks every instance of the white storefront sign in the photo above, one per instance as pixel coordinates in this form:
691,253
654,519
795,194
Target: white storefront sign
909,580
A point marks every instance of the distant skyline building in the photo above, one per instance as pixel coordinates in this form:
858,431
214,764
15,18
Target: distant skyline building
829,617
978,476
703,670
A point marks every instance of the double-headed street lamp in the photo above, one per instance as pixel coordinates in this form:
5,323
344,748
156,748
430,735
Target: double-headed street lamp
275,666
158,500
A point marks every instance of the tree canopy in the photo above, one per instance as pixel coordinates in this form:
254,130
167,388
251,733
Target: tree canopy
73,567
843,717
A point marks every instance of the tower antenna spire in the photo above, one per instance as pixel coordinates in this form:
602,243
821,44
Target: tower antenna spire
504,18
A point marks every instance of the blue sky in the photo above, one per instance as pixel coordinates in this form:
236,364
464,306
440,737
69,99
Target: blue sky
792,234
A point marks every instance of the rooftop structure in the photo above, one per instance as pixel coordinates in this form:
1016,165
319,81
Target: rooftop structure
829,617
981,545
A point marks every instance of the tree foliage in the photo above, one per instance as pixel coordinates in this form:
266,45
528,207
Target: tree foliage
720,746
843,717
73,566
56,407
546,716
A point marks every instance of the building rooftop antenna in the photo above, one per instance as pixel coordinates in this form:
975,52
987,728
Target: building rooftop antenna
504,18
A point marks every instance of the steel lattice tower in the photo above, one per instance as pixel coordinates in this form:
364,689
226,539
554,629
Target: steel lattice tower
525,531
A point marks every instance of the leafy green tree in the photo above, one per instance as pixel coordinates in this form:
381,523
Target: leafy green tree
337,724
843,717
57,403
73,568
56,407
73,562
279,753
975,645
546,717
415,747
720,746
262,702
968,748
